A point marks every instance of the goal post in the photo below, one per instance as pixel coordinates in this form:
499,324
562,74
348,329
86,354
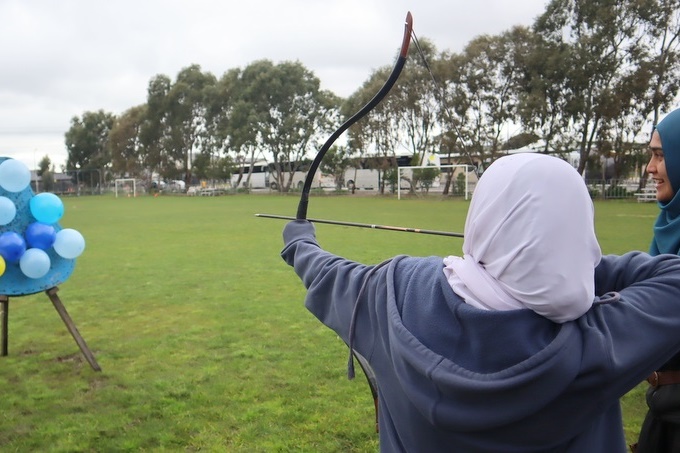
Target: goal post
404,171
126,187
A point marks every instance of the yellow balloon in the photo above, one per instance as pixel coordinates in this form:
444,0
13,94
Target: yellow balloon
2,265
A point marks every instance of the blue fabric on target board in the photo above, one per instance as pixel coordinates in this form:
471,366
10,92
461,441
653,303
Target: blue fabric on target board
13,282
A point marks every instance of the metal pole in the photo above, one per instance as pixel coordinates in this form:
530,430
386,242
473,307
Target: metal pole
59,306
4,301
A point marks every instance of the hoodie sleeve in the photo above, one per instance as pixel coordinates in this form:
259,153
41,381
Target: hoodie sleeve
616,273
333,283
637,331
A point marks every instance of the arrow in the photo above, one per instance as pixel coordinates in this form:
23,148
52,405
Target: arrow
367,225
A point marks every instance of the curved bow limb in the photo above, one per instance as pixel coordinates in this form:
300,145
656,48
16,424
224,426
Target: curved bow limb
396,71
304,198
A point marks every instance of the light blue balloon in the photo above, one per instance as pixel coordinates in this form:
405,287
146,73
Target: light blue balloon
34,263
69,243
14,175
47,208
8,210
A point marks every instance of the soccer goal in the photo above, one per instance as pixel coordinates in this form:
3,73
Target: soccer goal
126,187
439,175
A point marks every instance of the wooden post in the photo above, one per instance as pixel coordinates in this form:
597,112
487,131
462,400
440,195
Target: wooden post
52,294
4,301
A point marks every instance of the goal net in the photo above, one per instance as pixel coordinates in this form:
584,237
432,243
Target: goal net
433,179
125,188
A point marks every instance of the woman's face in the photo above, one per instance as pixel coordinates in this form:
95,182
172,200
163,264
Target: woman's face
657,168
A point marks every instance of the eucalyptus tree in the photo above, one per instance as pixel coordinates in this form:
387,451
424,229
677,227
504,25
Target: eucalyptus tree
621,137
175,127
245,143
482,91
87,144
491,75
458,135
186,117
655,83
288,112
240,128
374,138
154,130
642,87
46,174
336,161
128,155
207,166
602,47
248,112
455,138
661,45
221,139
414,103
543,93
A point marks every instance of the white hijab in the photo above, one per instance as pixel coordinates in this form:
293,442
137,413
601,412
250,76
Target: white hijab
529,240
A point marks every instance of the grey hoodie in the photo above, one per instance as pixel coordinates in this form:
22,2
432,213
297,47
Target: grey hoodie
452,377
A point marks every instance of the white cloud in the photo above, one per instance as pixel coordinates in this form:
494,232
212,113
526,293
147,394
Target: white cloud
60,59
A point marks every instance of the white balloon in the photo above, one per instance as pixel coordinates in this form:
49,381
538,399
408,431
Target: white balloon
34,263
14,175
69,243
8,210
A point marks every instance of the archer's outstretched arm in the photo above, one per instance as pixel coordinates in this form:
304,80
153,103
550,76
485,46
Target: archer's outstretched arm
333,283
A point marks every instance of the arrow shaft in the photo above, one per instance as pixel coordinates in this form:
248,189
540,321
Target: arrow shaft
367,225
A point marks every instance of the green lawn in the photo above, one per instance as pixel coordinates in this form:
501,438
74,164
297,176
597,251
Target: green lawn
200,330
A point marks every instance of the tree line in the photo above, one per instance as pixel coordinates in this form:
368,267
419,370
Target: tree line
592,76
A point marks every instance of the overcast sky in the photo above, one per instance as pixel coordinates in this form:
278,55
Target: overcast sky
59,59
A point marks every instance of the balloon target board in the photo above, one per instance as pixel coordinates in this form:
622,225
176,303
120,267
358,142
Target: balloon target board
36,253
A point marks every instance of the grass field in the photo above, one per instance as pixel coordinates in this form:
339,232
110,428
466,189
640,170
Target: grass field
200,330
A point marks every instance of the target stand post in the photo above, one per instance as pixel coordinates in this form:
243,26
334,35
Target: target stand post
4,302
70,325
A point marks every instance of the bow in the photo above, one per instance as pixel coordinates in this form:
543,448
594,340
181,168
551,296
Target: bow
304,198
399,65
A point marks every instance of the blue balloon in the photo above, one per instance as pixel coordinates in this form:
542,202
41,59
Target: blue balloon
46,207
34,263
8,210
14,175
69,243
12,246
40,235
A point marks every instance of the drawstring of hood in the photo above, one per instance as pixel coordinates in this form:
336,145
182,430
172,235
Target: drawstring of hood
352,324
